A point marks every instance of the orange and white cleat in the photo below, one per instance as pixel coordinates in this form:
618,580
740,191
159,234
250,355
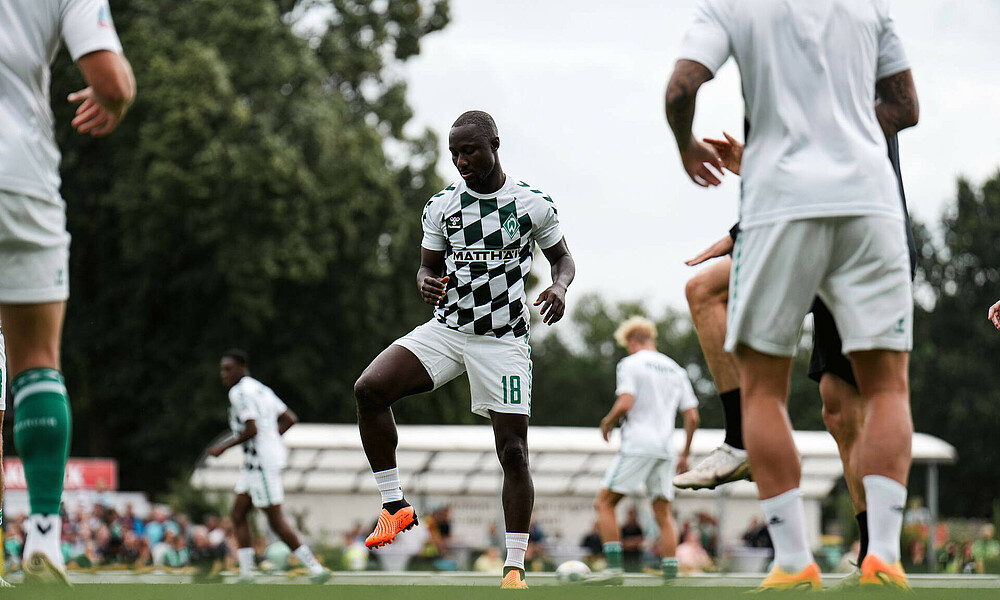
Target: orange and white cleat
513,580
806,580
875,572
391,524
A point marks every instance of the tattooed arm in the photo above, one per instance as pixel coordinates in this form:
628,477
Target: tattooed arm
896,106
680,104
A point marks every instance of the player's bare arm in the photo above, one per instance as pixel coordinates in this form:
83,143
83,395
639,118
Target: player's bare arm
691,422
286,420
897,107
621,407
994,315
430,280
553,298
110,91
249,431
682,91
730,151
722,247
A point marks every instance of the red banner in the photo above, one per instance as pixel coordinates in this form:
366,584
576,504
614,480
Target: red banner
81,474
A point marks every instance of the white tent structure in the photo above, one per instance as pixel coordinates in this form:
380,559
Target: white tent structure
328,483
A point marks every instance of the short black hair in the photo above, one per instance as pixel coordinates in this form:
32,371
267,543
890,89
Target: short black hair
240,356
480,119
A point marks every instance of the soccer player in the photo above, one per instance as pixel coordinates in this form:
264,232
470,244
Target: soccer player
258,419
820,216
34,244
651,389
476,254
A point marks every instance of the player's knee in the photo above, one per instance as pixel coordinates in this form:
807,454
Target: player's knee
514,455
368,393
700,292
603,504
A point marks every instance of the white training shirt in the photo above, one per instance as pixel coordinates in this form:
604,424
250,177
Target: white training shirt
30,31
809,68
251,399
660,387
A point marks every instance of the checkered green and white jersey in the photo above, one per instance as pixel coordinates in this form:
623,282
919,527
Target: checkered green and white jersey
488,241
252,400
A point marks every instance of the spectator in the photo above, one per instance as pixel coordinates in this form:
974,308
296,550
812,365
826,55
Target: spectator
489,562
175,554
985,548
632,540
592,541
691,555
757,535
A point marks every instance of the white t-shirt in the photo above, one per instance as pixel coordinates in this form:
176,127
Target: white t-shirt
251,399
809,68
660,387
30,31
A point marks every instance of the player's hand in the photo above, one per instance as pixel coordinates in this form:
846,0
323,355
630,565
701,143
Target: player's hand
994,315
92,117
553,301
606,428
720,248
432,289
216,451
730,150
697,158
683,465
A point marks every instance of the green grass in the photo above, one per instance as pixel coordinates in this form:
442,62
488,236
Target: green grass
366,592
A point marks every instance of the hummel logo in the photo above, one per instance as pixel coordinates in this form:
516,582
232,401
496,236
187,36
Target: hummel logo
898,508
44,529
775,520
454,222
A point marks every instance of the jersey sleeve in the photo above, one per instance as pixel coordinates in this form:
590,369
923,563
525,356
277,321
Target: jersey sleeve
243,405
707,40
891,57
626,379
688,397
547,231
432,222
86,26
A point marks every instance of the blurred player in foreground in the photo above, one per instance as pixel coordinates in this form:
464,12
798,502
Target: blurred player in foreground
994,315
258,419
820,216
34,244
650,391
476,253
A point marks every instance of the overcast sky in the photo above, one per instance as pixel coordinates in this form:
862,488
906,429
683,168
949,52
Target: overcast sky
576,88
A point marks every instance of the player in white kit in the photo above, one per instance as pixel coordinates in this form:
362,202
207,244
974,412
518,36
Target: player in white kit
651,390
820,216
34,244
258,419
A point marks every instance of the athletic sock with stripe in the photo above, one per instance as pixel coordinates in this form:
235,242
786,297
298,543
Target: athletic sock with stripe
42,423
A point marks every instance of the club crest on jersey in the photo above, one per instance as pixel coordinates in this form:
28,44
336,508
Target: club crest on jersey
511,225
485,256
455,222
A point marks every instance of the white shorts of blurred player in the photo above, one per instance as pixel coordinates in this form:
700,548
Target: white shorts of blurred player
499,368
34,250
858,266
262,485
631,474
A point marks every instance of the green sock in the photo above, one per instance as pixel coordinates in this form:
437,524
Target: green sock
41,433
669,567
613,554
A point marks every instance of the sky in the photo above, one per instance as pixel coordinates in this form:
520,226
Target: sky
576,88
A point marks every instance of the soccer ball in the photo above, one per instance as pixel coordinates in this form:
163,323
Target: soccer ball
572,571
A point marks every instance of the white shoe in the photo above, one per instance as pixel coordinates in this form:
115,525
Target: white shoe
245,579
43,555
723,465
4,583
39,569
605,577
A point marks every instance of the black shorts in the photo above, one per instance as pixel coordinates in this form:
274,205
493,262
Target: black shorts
826,355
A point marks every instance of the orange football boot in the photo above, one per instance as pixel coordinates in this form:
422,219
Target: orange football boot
875,572
513,580
391,524
806,580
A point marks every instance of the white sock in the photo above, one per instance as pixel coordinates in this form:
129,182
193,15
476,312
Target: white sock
388,485
886,499
308,559
44,535
786,522
245,556
517,544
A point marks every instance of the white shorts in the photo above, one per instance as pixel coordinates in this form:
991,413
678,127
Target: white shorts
630,474
3,373
34,250
499,368
858,266
262,485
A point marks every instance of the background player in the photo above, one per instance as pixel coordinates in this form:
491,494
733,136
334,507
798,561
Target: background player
476,253
34,244
823,200
651,389
258,419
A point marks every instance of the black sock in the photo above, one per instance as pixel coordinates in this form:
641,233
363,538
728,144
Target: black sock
394,506
862,518
733,416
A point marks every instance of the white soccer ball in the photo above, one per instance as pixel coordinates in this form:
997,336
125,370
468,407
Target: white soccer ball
572,571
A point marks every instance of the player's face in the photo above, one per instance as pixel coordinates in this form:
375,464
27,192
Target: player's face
230,371
474,154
